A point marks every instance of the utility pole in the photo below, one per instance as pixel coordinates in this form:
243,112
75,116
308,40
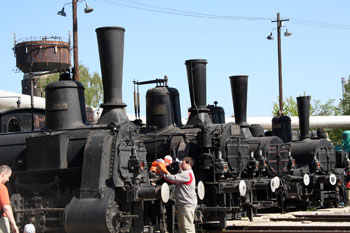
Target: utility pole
279,25
75,42
87,9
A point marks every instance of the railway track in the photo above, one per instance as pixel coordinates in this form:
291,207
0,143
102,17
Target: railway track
284,229
298,222
315,218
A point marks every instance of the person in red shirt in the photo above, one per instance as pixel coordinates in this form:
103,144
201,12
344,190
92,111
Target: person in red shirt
7,219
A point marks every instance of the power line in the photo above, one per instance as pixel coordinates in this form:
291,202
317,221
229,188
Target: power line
165,10
149,7
319,24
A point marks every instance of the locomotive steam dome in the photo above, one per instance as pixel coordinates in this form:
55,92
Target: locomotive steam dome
64,105
47,54
158,110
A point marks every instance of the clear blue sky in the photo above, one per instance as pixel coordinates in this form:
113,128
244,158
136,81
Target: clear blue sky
314,58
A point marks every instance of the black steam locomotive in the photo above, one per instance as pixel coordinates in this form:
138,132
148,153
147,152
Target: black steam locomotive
74,177
316,160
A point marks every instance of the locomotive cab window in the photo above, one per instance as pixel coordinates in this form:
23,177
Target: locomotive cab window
13,126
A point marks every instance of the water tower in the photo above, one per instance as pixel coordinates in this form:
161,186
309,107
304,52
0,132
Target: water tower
38,56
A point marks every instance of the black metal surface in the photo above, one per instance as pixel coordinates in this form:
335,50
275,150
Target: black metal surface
62,102
257,130
303,111
197,84
20,119
217,113
111,49
159,111
239,88
175,103
91,215
310,153
282,127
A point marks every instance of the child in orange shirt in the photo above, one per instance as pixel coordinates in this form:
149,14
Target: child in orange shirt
161,164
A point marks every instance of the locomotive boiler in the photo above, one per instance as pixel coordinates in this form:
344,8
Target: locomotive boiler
77,178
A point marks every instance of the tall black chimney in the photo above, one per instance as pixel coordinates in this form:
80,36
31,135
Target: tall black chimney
111,49
304,115
239,89
197,83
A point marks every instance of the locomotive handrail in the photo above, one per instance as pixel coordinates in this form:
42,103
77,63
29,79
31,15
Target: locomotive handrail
40,210
159,82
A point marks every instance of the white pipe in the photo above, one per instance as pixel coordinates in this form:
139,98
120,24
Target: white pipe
315,121
266,122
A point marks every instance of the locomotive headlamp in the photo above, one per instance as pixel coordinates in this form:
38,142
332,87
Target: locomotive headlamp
225,167
293,162
221,167
133,164
142,165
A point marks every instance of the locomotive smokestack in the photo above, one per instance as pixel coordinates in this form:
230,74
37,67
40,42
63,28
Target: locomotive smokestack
304,115
239,89
111,50
197,83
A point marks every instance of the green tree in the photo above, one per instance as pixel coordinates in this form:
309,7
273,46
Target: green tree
289,107
344,109
93,86
42,82
344,104
92,83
